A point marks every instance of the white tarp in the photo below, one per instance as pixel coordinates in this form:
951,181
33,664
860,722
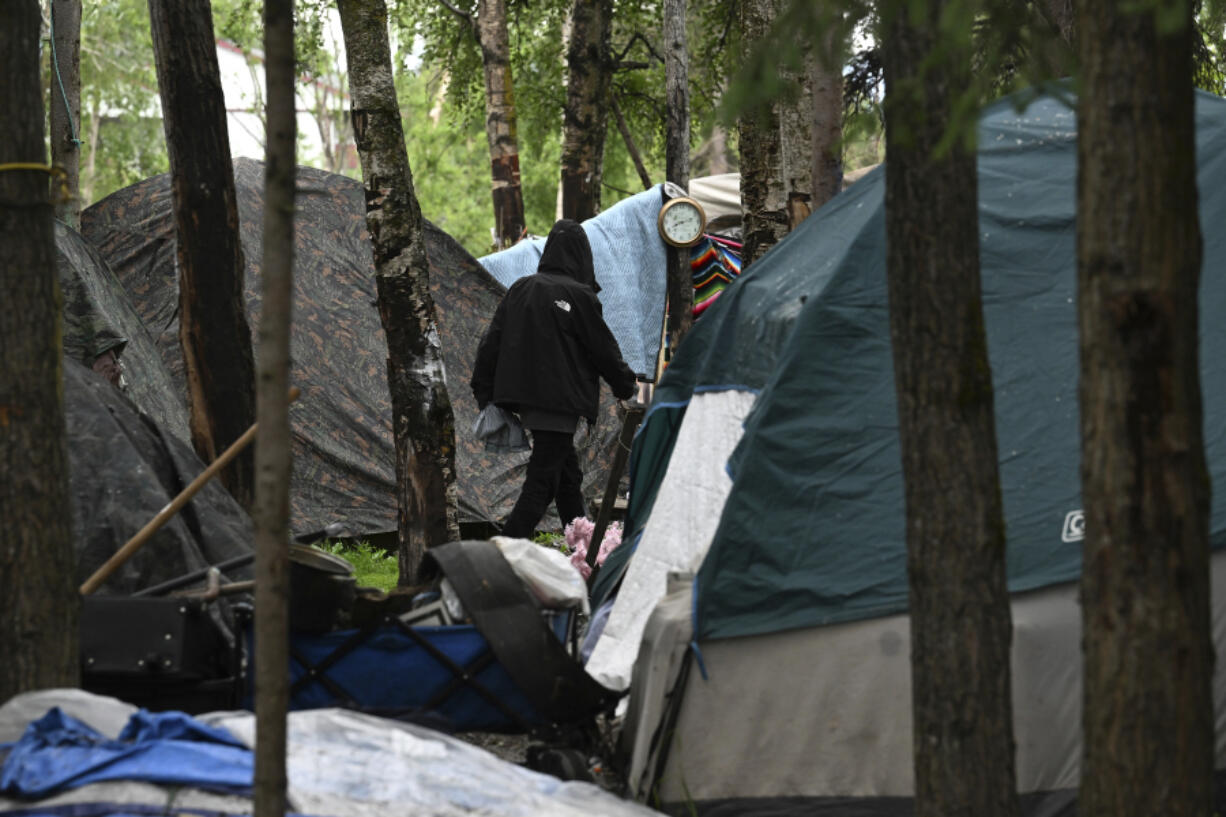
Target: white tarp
340,764
720,197
679,531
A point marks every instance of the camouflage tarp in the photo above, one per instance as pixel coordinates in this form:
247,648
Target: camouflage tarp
344,467
123,470
98,317
126,465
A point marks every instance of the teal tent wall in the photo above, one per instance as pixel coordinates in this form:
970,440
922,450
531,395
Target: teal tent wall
813,529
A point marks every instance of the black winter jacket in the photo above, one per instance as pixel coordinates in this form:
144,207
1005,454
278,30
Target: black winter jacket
548,344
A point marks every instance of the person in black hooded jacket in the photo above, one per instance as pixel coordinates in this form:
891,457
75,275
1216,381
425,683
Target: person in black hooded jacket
542,357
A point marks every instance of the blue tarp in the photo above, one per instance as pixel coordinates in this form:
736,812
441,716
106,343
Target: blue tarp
630,262
387,671
58,751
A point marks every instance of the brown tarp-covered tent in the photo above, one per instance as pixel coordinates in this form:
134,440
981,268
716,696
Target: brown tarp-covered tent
344,472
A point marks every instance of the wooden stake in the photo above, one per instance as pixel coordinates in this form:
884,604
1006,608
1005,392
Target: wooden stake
163,516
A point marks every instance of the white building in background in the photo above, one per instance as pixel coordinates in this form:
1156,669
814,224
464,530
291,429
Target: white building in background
323,107
325,137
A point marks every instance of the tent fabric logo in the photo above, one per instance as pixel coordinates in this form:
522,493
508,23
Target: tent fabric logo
1074,526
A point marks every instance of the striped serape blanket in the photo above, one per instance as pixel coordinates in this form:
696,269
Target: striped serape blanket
714,264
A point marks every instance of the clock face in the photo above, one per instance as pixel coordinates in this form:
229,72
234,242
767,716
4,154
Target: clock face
682,222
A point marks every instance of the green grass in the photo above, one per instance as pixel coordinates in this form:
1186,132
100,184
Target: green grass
554,540
374,567
377,568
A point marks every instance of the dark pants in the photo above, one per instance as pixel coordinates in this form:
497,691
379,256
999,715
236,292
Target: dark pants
553,476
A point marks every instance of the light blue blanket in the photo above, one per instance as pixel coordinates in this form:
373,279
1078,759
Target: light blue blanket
630,264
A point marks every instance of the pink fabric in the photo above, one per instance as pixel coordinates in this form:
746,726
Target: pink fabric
579,536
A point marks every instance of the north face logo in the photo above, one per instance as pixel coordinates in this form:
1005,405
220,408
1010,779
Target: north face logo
563,305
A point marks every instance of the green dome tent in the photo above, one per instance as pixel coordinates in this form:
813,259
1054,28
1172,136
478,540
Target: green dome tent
768,470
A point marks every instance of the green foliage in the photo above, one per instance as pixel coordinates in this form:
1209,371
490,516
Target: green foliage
1209,47
450,158
122,132
863,144
447,159
446,43
824,29
552,540
1007,44
372,567
241,22
448,154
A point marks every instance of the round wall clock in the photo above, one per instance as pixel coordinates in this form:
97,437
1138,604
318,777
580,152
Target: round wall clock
681,221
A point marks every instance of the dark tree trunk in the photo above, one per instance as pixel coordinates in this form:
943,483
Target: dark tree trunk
586,117
677,162
1148,708
422,419
776,147
960,617
213,326
272,446
631,147
66,105
38,631
491,29
1061,16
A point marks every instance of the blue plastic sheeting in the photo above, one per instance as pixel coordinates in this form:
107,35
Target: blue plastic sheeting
390,673
58,751
630,261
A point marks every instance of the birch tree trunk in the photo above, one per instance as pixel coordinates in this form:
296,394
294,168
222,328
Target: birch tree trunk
422,419
272,445
585,119
213,327
1148,709
491,29
960,618
66,104
776,147
826,84
38,631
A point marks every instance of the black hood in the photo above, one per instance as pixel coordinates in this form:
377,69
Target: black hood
567,252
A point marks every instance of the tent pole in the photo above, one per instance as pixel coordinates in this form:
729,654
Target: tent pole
163,516
635,412
634,416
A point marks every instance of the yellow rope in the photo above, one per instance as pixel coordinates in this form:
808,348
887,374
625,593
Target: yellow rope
54,171
31,166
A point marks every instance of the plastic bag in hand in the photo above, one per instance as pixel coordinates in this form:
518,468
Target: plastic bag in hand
500,429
